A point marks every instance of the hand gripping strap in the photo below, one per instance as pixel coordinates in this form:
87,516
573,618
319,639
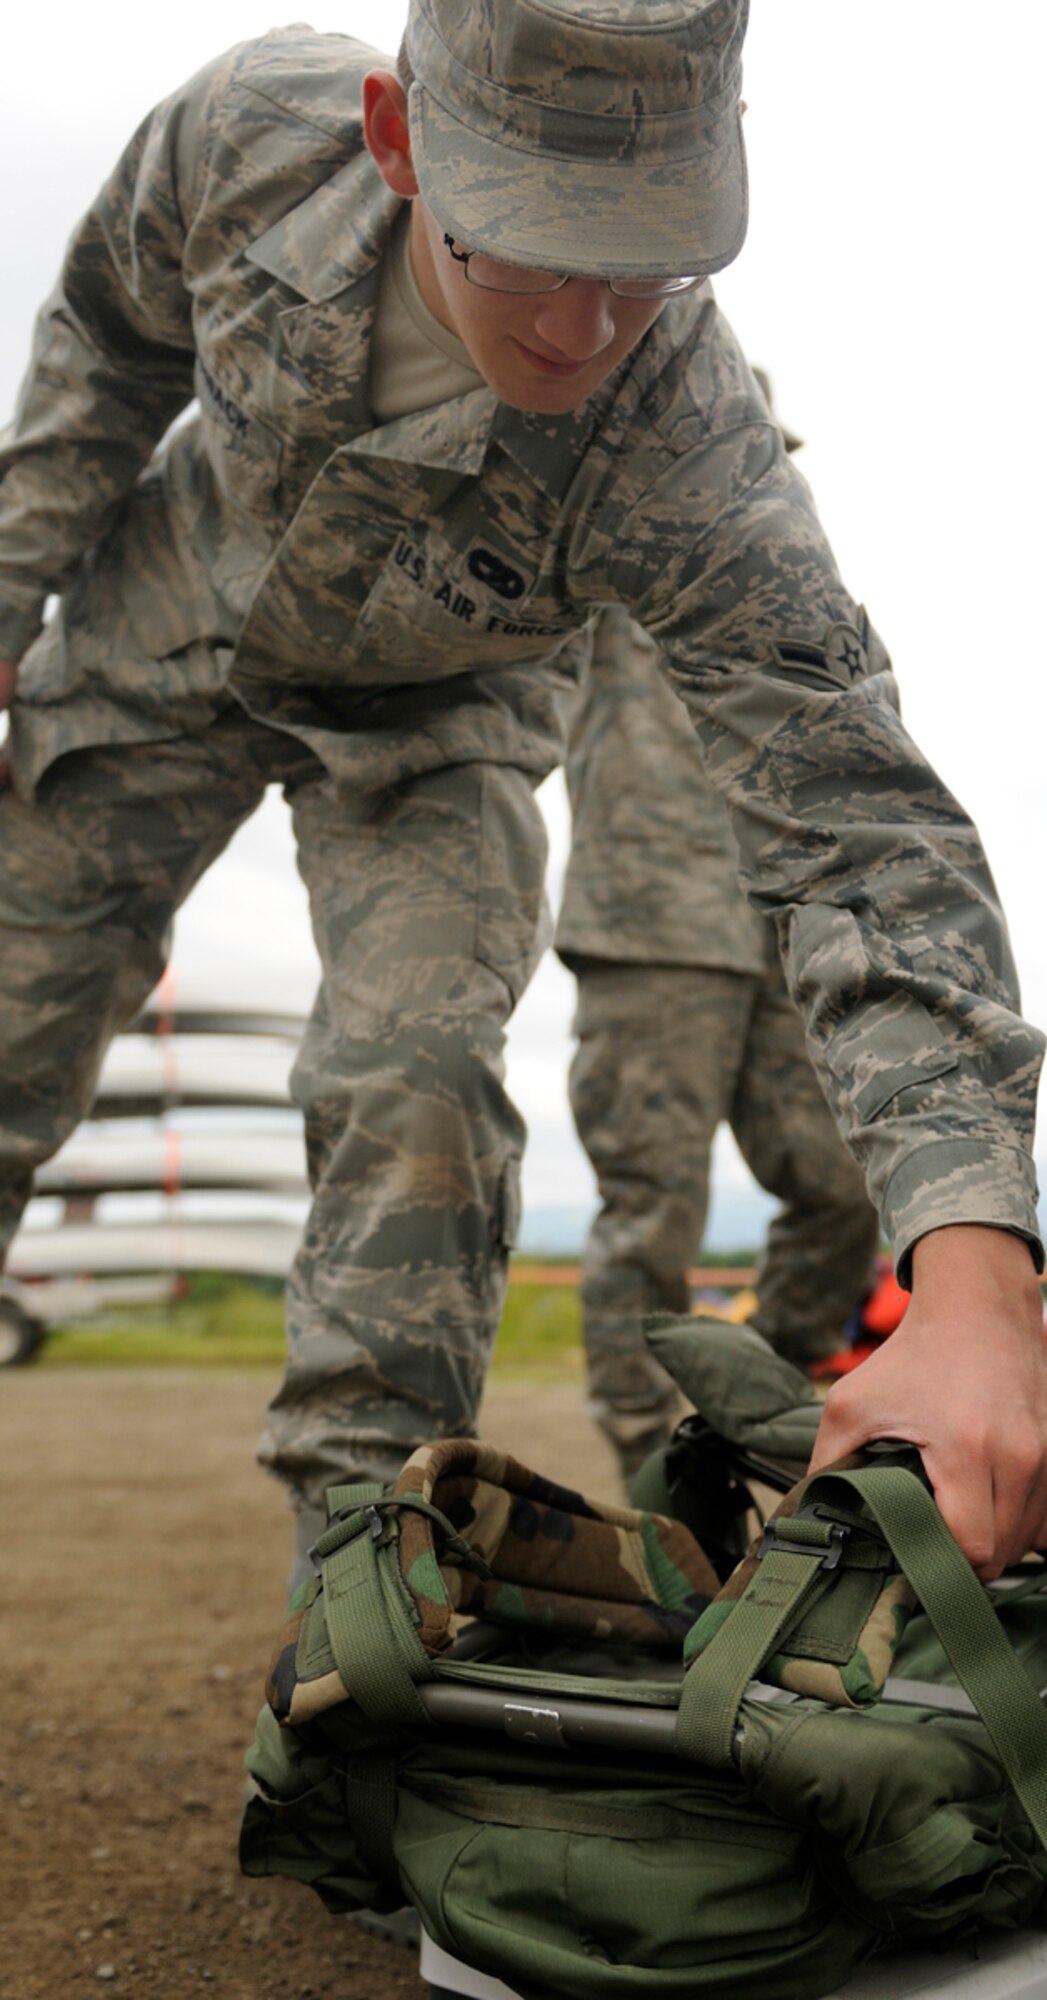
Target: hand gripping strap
951,1596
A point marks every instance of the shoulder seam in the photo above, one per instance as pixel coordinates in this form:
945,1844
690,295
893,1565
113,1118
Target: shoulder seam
300,117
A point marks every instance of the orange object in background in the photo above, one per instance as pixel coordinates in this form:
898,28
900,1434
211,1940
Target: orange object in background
883,1311
885,1307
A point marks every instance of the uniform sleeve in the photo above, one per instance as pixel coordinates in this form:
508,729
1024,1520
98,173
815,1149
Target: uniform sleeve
892,935
111,362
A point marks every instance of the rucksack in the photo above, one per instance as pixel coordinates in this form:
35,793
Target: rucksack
837,1771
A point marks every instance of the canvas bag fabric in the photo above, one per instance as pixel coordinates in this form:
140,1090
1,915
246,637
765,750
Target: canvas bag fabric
792,1841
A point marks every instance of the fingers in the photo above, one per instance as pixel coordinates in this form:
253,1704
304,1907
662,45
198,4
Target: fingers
857,1412
967,1504
992,1500
987,1465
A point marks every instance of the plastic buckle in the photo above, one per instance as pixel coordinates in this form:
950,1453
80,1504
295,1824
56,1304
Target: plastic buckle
370,1523
776,1536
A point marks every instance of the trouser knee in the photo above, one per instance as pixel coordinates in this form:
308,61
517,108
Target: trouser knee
398,1286
414,1151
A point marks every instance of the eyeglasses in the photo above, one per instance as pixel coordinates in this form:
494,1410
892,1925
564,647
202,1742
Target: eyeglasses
493,276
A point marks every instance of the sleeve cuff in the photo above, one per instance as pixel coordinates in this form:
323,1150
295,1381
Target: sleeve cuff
952,1181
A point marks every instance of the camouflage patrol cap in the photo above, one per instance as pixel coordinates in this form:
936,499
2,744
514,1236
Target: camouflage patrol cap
597,137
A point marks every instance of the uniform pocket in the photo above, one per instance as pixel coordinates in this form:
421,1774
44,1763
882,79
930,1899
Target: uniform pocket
880,1047
428,616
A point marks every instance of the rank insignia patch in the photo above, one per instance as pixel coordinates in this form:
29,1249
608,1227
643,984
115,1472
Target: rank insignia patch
845,654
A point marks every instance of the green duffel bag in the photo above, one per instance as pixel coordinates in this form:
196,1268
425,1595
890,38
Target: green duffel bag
478,1707
755,1419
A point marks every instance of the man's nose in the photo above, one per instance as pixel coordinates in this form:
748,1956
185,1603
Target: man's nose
578,320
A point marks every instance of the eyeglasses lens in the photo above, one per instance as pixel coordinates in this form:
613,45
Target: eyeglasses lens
493,276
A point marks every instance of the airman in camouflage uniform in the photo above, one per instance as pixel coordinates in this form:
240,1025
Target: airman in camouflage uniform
683,1021
281,588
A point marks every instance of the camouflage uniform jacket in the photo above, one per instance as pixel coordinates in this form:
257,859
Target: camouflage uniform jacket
389,595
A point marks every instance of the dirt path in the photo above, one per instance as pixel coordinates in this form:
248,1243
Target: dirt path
144,1558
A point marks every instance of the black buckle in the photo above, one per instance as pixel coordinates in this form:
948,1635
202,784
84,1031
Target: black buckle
370,1522
776,1536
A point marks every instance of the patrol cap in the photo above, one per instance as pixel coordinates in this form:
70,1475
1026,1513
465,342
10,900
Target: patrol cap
597,137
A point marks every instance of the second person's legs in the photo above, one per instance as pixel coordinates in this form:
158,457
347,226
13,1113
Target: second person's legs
654,1073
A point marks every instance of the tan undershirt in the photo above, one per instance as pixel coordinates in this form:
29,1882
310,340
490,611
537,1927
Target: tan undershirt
415,362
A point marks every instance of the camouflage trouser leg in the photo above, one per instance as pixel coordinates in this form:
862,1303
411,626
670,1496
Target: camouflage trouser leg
659,1049
818,1260
428,911
93,870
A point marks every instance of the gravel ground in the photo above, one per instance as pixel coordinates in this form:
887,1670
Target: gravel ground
142,1584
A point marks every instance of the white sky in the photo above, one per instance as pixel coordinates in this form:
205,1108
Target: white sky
891,283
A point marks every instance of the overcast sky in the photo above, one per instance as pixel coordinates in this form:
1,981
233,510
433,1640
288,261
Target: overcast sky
892,284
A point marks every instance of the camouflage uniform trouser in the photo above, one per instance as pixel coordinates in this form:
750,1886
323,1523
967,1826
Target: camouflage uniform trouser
428,911
665,1053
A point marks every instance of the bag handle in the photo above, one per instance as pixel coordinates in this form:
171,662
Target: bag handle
377,1652
795,1566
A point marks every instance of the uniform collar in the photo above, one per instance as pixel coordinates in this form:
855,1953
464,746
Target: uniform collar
328,249
548,449
455,437
335,237
451,437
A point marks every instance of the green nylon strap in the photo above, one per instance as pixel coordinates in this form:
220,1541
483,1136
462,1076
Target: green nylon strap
340,1501
338,1498
806,1533
967,1626
786,1582
952,1598
345,1502
356,1495
370,1802
376,1649
368,1657
371,1638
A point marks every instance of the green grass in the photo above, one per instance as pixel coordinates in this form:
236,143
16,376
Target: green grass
234,1323
226,1322
220,1323
540,1335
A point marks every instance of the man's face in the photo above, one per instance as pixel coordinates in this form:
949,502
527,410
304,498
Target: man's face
543,351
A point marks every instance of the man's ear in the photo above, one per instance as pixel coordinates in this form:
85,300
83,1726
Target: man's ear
386,132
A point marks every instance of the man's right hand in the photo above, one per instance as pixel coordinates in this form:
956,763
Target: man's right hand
8,677
964,1378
